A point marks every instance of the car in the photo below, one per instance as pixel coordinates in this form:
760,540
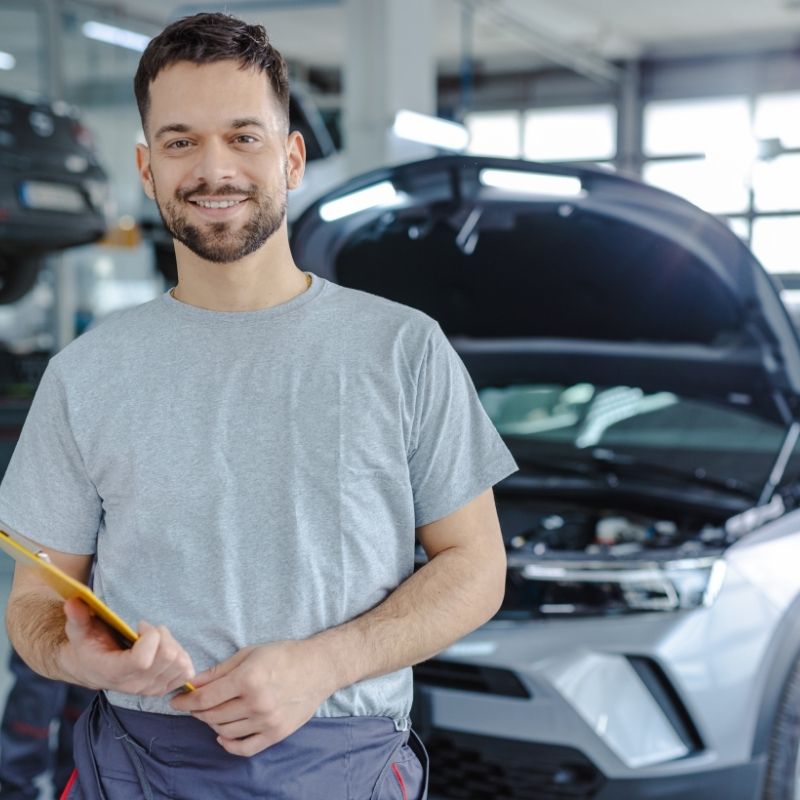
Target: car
53,192
638,362
326,167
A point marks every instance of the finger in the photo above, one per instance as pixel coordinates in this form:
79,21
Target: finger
83,628
143,652
174,676
213,694
232,711
247,747
210,696
171,666
240,729
220,670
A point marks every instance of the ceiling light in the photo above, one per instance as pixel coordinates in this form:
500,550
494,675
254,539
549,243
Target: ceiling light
434,131
113,35
532,183
379,194
7,61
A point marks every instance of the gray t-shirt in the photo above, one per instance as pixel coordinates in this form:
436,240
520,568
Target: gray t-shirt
253,476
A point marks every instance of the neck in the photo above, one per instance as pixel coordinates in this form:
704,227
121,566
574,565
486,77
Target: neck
265,278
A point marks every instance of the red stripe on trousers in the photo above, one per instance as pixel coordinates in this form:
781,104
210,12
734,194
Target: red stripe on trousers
400,780
70,784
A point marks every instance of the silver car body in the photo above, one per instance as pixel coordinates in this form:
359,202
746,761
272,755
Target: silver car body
678,701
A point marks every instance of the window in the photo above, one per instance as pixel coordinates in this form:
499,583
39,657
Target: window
709,185
776,184
580,133
686,127
737,157
776,243
776,117
495,133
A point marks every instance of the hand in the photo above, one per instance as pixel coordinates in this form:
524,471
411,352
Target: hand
260,695
155,665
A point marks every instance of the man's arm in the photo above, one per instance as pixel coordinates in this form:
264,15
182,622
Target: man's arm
65,641
35,614
459,589
262,694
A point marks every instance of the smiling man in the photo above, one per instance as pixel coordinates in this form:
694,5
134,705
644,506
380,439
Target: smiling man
247,459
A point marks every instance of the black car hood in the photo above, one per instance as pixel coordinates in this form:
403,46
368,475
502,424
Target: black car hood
619,282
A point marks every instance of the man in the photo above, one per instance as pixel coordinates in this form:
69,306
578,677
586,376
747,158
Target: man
249,458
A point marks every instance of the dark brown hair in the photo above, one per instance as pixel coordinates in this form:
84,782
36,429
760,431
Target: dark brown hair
205,38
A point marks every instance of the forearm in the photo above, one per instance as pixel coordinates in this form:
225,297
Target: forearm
453,594
35,623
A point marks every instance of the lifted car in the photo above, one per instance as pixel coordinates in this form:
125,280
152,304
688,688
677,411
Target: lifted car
53,192
642,369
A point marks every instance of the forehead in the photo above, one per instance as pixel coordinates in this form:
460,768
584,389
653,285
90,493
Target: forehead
203,95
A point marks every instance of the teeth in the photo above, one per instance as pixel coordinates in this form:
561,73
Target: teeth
216,203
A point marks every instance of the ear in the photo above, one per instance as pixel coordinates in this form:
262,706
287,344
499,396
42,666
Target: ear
295,159
143,167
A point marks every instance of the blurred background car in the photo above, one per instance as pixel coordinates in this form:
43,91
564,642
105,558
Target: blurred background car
53,191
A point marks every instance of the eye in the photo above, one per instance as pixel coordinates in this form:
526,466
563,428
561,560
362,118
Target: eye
246,138
178,144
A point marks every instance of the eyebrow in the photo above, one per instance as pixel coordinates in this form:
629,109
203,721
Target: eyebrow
179,127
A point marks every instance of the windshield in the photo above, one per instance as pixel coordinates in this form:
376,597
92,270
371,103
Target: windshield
661,428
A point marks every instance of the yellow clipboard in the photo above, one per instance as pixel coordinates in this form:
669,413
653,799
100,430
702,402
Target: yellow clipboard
24,551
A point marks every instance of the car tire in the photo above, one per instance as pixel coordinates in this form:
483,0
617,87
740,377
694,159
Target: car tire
783,763
18,275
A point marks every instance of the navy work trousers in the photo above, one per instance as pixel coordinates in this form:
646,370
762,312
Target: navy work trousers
133,755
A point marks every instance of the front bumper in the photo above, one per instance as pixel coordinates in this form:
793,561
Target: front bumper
471,767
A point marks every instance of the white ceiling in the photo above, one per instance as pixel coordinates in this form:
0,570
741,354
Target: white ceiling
313,33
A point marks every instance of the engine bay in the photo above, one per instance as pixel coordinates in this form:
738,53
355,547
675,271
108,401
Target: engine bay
550,530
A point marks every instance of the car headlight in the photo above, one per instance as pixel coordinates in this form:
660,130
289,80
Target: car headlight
537,588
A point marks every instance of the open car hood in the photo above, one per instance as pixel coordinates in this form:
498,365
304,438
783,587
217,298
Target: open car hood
553,273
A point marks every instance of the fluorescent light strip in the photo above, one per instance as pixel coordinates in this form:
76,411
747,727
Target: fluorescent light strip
380,194
7,61
113,35
532,183
434,131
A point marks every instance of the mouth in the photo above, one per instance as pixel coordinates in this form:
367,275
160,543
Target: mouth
218,208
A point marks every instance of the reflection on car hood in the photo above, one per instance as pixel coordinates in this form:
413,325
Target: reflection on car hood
559,273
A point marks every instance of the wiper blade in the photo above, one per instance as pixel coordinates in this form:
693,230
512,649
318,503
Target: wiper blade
603,456
610,462
558,465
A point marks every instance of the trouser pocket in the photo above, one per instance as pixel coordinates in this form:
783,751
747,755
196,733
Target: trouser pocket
405,774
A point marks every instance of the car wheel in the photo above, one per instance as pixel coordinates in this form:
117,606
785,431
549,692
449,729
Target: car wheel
17,276
783,764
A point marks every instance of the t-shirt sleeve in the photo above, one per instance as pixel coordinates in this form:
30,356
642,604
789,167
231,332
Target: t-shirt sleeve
46,493
456,452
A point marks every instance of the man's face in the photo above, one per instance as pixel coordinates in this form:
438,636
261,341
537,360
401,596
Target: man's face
219,162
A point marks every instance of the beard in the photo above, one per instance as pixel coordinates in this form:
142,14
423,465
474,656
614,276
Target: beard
215,241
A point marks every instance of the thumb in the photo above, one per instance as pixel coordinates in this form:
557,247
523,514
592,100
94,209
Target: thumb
220,670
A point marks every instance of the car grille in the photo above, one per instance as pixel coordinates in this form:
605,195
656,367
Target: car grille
470,767
469,678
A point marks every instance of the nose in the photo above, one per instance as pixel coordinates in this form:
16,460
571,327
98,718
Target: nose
215,164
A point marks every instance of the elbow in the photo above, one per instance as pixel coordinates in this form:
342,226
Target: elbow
495,585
